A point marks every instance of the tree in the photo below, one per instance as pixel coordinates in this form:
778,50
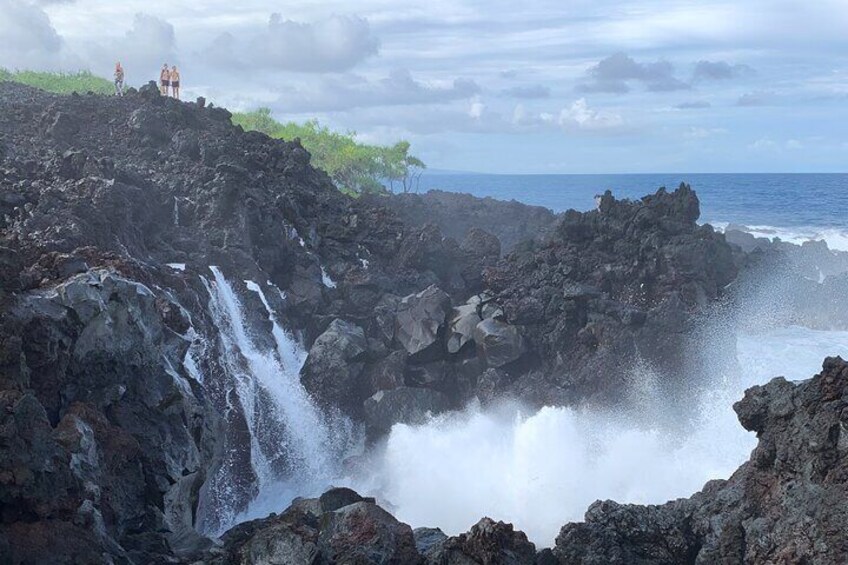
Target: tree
354,167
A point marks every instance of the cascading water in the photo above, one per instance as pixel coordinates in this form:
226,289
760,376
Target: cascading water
294,447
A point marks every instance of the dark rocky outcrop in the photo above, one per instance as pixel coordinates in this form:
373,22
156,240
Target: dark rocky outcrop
338,527
786,505
610,288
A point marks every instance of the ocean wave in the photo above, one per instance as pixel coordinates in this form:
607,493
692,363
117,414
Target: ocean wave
835,237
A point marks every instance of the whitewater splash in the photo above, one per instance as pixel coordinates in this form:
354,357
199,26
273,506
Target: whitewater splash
835,237
542,470
293,445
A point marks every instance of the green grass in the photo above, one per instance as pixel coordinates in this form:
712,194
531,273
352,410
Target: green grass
60,83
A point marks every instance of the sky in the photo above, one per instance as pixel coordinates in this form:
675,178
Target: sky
538,86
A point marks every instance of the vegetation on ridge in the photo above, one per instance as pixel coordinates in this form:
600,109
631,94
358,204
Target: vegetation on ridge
60,83
355,167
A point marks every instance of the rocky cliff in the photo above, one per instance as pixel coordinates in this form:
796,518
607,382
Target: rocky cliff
191,311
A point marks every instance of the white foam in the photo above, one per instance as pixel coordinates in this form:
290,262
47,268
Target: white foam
177,266
325,278
542,470
836,238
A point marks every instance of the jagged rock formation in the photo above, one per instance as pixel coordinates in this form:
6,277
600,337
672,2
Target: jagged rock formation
609,289
786,505
343,527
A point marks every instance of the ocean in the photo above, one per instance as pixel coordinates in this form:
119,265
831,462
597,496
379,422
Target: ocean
794,207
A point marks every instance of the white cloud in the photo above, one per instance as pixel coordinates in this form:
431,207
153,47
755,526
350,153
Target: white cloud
475,111
702,133
334,44
580,116
27,38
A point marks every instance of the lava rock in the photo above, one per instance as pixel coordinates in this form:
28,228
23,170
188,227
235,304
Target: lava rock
500,342
405,405
335,362
419,319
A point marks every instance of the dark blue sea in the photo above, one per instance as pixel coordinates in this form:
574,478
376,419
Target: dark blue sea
794,207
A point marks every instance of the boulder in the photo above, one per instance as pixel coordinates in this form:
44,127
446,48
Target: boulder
500,342
487,542
332,369
463,322
405,405
365,533
419,318
428,539
482,244
340,527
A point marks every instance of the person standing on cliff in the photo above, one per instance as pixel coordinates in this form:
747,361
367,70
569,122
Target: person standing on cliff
175,82
164,80
119,79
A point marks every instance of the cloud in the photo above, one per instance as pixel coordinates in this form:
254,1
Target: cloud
613,74
579,116
335,44
535,91
693,105
27,37
720,70
145,46
757,98
399,88
702,133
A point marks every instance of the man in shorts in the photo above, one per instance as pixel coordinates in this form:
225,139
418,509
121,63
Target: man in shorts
164,80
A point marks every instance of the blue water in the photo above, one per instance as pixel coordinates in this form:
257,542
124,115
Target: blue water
804,201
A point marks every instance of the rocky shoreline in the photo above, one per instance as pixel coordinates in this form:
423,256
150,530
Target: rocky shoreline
157,263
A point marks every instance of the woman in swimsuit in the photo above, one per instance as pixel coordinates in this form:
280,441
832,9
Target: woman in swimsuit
164,80
175,82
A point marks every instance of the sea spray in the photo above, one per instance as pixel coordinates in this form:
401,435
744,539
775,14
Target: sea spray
540,470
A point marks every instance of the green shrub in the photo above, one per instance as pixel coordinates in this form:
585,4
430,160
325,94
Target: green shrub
354,167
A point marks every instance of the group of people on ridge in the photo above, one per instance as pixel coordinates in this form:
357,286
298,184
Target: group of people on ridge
168,79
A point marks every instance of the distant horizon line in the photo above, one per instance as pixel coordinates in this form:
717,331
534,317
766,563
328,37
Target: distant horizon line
448,172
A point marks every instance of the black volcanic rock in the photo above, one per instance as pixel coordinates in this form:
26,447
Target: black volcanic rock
786,505
609,288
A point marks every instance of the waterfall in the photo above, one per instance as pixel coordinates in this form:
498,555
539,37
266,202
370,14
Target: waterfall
294,447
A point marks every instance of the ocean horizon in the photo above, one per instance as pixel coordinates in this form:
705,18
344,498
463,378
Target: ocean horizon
795,207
